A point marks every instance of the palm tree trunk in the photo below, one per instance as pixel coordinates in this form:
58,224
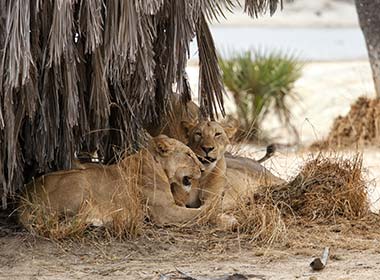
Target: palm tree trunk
369,18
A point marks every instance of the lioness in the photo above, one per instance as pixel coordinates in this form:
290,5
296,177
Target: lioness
101,191
176,113
209,140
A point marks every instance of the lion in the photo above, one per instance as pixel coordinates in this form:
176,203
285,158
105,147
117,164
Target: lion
224,178
181,113
209,141
103,191
171,124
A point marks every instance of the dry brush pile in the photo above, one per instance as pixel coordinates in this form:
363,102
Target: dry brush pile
325,191
359,128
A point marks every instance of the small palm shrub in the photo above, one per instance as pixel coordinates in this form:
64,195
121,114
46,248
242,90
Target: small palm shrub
258,82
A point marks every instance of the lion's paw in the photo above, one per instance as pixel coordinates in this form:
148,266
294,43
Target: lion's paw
226,221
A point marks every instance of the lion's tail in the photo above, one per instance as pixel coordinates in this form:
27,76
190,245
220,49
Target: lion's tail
271,149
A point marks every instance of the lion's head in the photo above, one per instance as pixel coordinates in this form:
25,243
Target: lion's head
209,140
179,162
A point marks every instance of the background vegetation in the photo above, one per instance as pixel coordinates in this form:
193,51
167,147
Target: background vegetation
260,81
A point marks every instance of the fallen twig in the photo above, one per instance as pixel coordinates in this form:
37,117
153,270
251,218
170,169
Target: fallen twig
320,263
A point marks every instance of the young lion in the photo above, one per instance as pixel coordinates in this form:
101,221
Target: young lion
101,191
209,140
227,182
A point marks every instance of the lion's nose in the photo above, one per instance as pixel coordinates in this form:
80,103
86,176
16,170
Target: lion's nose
186,181
207,149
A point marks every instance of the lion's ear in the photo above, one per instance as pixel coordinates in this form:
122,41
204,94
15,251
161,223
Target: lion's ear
230,129
163,145
230,126
187,127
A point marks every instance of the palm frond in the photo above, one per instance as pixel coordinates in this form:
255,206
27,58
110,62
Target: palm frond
256,7
86,75
210,79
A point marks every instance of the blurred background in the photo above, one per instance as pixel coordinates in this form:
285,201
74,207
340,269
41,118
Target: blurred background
323,35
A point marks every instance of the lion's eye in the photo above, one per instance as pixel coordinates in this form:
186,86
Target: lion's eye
198,134
218,134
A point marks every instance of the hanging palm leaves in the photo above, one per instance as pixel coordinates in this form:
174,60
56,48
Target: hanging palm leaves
85,75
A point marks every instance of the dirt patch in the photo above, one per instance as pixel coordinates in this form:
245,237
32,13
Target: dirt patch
359,128
197,252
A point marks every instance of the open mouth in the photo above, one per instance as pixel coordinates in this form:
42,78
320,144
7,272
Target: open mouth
206,160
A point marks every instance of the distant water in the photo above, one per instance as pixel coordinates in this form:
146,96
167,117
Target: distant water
309,44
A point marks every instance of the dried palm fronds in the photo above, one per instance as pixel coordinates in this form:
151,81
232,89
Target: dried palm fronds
86,75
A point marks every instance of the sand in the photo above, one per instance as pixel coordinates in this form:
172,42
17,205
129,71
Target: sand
23,260
299,13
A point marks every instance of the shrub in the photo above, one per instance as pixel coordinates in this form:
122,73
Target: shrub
259,81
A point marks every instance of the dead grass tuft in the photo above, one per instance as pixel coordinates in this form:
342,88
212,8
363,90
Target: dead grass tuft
359,128
325,188
43,222
326,191
261,222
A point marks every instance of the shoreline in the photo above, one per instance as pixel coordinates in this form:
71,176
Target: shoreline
321,13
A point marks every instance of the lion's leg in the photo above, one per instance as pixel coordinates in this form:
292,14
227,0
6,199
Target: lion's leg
166,212
173,214
96,217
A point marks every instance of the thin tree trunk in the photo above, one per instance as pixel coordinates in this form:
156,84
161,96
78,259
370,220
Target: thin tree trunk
369,18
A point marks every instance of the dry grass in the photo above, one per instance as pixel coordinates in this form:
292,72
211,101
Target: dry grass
49,224
359,128
120,211
325,203
262,223
325,189
43,222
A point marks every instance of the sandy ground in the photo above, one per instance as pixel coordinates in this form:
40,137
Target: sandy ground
23,257
325,91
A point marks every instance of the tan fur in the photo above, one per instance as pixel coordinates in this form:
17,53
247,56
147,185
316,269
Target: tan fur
172,124
234,182
209,140
242,182
103,190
